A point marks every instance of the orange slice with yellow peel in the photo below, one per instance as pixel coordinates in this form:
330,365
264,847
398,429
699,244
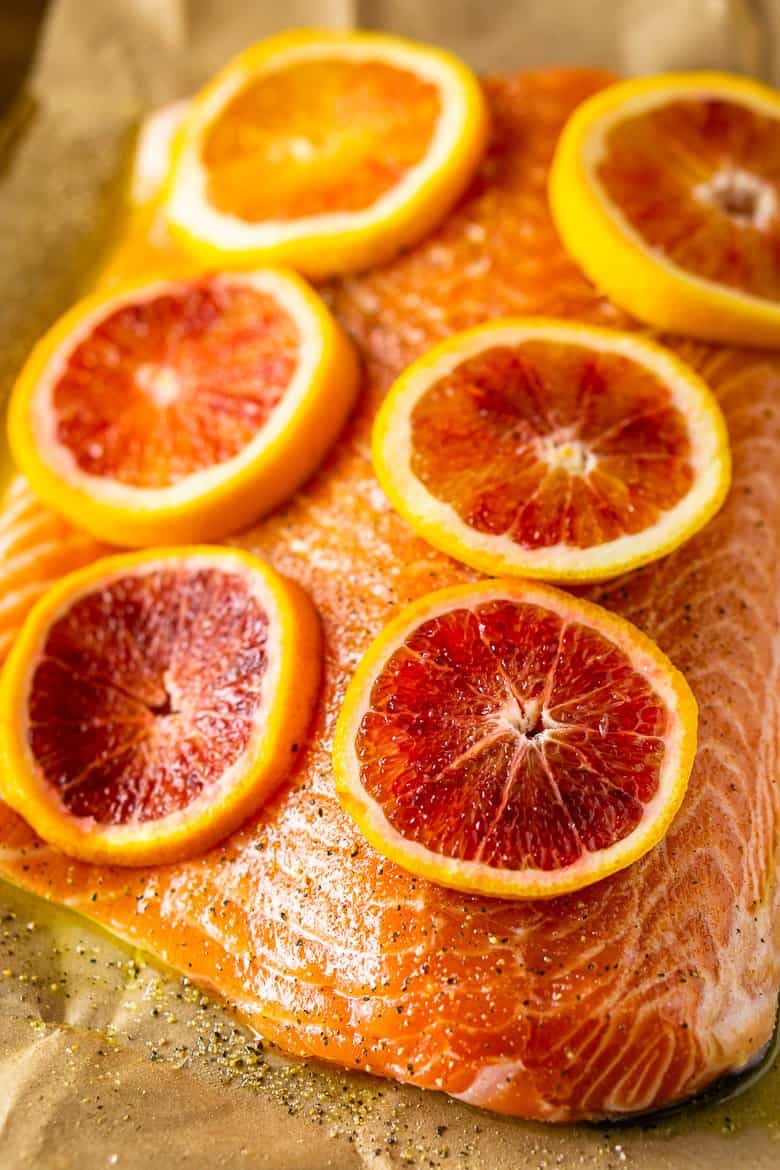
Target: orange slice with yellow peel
154,699
326,151
508,739
549,449
666,191
181,410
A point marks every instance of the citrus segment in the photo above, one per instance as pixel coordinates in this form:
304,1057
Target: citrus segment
153,700
666,191
551,449
327,151
182,409
505,738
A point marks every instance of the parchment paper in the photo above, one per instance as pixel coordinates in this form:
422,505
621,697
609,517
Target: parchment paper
105,1061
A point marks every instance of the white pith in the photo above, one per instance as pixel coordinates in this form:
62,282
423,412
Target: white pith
480,875
594,148
160,385
568,453
731,181
188,203
435,517
212,795
153,150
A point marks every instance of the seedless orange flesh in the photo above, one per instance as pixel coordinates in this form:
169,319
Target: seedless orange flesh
698,179
181,409
666,191
318,137
551,449
152,700
327,151
176,383
129,703
551,443
505,738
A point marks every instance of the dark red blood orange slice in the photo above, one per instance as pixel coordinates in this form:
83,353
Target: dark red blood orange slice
509,739
550,449
152,701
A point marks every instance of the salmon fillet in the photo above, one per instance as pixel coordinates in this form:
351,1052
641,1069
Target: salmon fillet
36,548
628,995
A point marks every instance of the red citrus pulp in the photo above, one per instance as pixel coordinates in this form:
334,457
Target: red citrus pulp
551,449
153,700
511,739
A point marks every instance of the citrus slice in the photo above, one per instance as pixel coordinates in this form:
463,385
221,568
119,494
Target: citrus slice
666,191
545,448
506,738
181,410
326,151
154,699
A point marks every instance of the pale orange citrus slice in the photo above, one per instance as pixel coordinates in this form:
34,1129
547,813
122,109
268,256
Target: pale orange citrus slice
154,699
506,738
326,151
181,410
666,191
544,448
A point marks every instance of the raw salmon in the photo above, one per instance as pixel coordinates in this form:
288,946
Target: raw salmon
36,547
629,995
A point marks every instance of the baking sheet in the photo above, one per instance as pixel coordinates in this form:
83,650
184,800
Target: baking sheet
105,1060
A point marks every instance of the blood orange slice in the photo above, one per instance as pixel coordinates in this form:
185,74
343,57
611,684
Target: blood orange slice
181,410
506,738
551,449
153,700
325,151
666,191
